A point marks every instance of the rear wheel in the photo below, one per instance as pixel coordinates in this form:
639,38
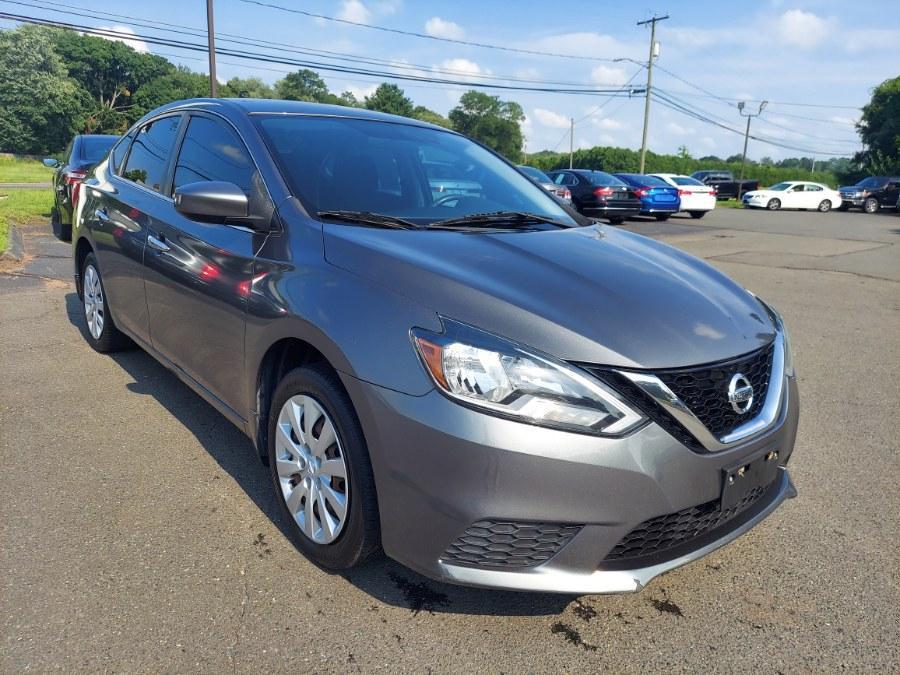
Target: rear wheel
870,205
102,333
825,206
697,214
774,204
662,216
320,469
61,231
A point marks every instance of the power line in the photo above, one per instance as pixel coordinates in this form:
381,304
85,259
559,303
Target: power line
132,21
424,36
600,105
330,67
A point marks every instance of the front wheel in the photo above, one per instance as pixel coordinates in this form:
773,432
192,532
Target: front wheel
870,205
825,206
320,469
774,204
662,216
697,214
102,333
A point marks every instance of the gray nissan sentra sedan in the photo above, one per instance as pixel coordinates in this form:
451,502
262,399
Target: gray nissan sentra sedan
487,386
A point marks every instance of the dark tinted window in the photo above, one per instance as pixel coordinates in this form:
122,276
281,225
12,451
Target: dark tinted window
602,178
872,182
94,148
146,163
119,152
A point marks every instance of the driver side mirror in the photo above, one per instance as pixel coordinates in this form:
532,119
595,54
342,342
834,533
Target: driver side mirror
211,200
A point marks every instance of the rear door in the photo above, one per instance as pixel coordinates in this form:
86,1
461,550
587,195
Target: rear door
198,273
123,208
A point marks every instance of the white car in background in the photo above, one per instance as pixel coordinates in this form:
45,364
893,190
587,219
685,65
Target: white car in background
794,195
696,198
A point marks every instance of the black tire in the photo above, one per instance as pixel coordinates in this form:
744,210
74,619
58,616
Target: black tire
61,231
843,207
662,216
824,206
871,205
774,204
616,220
111,339
361,535
697,214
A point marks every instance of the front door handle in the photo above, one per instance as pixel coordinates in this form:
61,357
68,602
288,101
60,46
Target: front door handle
158,244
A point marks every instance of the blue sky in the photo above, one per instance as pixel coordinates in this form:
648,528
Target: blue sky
825,54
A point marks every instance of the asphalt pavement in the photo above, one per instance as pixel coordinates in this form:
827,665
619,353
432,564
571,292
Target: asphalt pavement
138,533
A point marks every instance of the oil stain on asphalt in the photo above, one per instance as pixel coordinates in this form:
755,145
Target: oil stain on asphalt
419,596
571,635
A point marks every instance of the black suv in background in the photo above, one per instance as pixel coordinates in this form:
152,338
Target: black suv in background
724,183
599,194
83,154
871,194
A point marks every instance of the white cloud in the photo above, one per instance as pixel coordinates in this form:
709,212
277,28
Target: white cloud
354,10
438,27
548,118
361,92
678,130
607,123
136,44
463,67
802,29
595,45
607,75
388,7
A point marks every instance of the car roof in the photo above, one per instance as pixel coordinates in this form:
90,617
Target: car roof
109,136
262,106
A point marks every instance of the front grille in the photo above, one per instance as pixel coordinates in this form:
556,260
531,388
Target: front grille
491,543
704,389
654,537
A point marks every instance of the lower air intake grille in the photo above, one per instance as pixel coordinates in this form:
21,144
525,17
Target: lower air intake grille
492,543
657,535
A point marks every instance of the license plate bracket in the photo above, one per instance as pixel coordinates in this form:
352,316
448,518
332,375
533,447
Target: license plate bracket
740,479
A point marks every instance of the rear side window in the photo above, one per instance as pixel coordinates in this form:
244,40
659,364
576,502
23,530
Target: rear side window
118,154
146,163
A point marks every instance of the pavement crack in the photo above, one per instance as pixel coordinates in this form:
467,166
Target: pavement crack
232,648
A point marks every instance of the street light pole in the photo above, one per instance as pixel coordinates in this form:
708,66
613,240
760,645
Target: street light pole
211,36
652,23
749,116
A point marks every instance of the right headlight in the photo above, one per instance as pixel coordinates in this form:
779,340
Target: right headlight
500,377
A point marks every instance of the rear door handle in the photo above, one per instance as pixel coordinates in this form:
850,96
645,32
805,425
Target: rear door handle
101,215
158,244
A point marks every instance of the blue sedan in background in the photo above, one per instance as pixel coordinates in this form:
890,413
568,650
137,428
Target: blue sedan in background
658,198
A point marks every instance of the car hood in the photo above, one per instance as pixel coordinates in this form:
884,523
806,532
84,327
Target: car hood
853,188
592,294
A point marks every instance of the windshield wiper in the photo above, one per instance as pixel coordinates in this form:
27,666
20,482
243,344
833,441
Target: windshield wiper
503,219
369,218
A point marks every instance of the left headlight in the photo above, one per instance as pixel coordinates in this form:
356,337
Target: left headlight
487,372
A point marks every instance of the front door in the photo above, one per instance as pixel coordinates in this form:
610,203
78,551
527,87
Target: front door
198,273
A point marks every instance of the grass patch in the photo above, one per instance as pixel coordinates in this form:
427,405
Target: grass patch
23,206
18,170
729,204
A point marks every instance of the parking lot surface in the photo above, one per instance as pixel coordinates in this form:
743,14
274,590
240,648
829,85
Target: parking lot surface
138,532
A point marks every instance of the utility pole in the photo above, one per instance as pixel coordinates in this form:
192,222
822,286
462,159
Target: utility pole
571,141
211,36
654,51
749,116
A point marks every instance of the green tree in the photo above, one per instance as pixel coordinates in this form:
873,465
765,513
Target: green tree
492,121
249,87
40,105
348,99
423,114
389,98
304,85
180,84
879,129
110,72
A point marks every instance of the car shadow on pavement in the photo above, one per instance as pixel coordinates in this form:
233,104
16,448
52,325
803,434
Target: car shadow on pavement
383,579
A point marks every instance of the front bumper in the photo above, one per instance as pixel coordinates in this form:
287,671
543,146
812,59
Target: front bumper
440,467
853,201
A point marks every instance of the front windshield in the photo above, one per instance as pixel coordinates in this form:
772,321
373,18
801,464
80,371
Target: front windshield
537,174
780,187
638,179
871,182
404,171
94,148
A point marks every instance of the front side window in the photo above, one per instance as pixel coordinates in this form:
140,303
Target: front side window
118,153
150,150
404,171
